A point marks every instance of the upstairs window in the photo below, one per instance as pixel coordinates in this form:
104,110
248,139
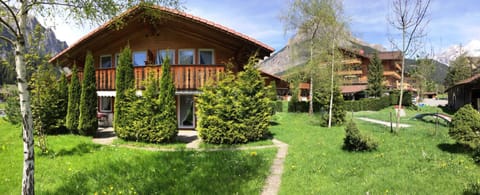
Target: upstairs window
162,56
106,61
206,56
139,58
117,57
186,56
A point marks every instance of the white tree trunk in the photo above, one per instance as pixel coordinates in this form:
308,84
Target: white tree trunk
331,85
397,125
25,109
310,106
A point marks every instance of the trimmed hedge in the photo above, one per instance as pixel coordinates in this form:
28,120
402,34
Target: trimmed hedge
373,104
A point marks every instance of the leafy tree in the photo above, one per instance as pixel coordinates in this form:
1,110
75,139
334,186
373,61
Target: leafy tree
458,70
409,18
322,96
465,126
422,72
12,109
74,91
375,77
234,110
323,26
88,122
124,81
14,16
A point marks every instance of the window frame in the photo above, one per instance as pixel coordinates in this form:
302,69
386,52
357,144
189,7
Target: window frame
133,57
100,65
206,49
117,59
179,56
102,102
172,60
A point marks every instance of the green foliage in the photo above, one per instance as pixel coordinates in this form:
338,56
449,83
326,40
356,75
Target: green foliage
48,103
354,141
74,91
375,77
406,101
151,117
62,89
273,91
465,126
124,81
458,70
278,106
234,110
322,96
373,104
473,188
12,109
88,122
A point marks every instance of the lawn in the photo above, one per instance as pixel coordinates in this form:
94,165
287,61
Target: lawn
416,160
77,166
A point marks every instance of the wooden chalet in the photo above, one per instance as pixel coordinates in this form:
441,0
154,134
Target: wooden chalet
199,50
465,92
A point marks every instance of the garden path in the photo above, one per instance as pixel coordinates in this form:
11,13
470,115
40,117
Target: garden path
381,122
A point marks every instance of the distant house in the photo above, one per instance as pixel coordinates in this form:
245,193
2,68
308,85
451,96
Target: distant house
199,50
465,92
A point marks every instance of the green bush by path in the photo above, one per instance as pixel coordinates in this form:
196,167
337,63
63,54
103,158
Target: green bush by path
465,126
77,166
354,141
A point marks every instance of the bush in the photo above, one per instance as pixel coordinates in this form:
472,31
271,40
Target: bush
354,141
473,188
12,109
234,110
372,104
476,155
406,100
465,126
278,106
88,122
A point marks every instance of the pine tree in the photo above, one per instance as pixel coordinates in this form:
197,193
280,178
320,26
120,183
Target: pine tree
167,103
124,80
458,70
74,91
375,77
62,91
88,123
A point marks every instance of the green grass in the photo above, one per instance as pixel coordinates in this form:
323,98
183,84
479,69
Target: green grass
266,142
174,145
413,161
77,166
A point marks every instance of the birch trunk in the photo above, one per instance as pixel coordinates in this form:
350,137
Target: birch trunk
397,126
331,85
310,106
25,109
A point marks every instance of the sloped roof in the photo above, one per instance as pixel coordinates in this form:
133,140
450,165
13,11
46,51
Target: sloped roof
352,88
169,11
465,81
390,55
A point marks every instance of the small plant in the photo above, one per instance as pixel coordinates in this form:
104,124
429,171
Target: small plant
472,188
354,141
465,127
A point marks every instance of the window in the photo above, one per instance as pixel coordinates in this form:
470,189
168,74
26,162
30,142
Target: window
206,56
106,61
105,104
186,56
139,58
117,58
162,56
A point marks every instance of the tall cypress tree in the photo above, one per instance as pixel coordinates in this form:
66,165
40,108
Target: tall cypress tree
63,99
124,80
167,102
73,102
375,77
88,122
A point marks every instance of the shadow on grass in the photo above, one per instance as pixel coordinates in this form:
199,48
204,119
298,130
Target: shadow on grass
455,148
184,172
274,123
79,150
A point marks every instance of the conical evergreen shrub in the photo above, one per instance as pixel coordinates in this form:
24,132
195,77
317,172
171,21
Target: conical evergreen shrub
88,122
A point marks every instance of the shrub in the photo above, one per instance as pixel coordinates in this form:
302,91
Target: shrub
88,122
473,188
234,110
278,106
476,155
465,126
372,104
354,141
124,81
74,91
12,109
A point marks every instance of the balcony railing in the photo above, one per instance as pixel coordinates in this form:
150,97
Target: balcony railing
185,77
392,73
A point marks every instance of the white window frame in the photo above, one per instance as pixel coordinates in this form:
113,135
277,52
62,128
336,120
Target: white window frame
213,55
101,104
172,60
133,57
179,57
104,56
117,59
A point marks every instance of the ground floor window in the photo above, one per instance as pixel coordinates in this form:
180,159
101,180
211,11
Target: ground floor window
106,104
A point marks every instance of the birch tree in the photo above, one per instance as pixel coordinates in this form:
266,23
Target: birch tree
410,18
321,24
13,18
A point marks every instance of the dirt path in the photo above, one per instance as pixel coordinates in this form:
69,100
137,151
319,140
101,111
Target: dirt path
272,185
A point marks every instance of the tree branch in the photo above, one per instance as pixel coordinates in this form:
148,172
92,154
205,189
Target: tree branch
14,18
7,39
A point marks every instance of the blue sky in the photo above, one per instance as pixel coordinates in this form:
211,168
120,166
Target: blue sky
451,22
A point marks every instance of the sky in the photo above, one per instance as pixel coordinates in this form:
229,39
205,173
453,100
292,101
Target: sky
450,22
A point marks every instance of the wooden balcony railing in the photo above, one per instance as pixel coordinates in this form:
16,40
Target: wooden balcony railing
185,77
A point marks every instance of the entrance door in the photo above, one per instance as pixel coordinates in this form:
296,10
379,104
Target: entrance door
186,112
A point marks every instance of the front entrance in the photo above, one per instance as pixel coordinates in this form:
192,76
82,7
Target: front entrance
186,112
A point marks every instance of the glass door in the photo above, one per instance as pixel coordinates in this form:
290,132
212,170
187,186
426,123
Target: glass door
186,110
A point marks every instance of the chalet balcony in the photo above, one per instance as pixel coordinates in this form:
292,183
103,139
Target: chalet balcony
350,72
185,77
392,74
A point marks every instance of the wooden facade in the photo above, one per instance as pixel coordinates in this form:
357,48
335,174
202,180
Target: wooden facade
465,92
199,51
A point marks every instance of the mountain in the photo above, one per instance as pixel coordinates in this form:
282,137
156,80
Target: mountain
51,44
438,74
472,49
